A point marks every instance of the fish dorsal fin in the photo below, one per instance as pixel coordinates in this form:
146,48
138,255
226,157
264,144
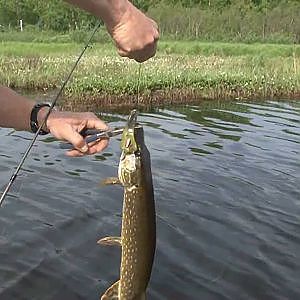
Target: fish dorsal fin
110,241
112,293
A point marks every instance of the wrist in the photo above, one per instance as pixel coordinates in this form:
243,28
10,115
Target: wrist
38,117
113,11
41,117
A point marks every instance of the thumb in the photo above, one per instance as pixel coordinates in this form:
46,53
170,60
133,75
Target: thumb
75,139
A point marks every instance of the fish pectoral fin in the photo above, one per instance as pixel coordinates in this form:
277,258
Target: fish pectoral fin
112,293
110,241
110,181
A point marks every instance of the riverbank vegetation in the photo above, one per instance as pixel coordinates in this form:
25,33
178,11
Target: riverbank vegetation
209,49
181,71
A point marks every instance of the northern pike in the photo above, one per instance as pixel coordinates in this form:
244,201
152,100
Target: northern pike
138,233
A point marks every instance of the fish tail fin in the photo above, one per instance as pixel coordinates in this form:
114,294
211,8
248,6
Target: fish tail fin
112,293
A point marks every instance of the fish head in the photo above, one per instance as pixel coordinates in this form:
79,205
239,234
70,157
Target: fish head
129,170
129,144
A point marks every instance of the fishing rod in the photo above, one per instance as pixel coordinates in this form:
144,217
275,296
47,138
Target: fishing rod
15,174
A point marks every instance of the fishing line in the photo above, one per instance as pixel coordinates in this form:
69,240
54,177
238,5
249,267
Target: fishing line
18,168
138,86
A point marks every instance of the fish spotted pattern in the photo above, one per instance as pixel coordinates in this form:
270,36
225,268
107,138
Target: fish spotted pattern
138,233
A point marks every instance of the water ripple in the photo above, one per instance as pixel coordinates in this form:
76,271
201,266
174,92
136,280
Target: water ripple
226,178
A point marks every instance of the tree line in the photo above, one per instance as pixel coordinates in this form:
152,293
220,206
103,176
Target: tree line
247,20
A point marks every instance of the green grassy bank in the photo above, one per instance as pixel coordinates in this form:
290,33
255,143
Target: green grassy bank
182,71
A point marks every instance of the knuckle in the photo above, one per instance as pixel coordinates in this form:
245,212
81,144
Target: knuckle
127,50
140,59
78,142
151,42
122,53
105,126
90,115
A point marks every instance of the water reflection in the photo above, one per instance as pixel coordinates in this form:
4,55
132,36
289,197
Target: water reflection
226,177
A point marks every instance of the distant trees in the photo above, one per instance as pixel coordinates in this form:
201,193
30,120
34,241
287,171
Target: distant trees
54,14
14,10
230,20
248,20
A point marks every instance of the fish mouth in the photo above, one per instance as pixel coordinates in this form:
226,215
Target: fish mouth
129,144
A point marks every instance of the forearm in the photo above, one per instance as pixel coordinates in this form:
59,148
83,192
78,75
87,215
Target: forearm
110,11
15,109
134,34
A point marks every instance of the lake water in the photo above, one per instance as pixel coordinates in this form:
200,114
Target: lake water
227,188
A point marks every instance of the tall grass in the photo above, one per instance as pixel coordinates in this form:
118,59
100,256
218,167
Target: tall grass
228,49
32,34
166,47
215,70
237,22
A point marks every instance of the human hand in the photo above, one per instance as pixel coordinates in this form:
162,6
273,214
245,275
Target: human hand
67,125
135,34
